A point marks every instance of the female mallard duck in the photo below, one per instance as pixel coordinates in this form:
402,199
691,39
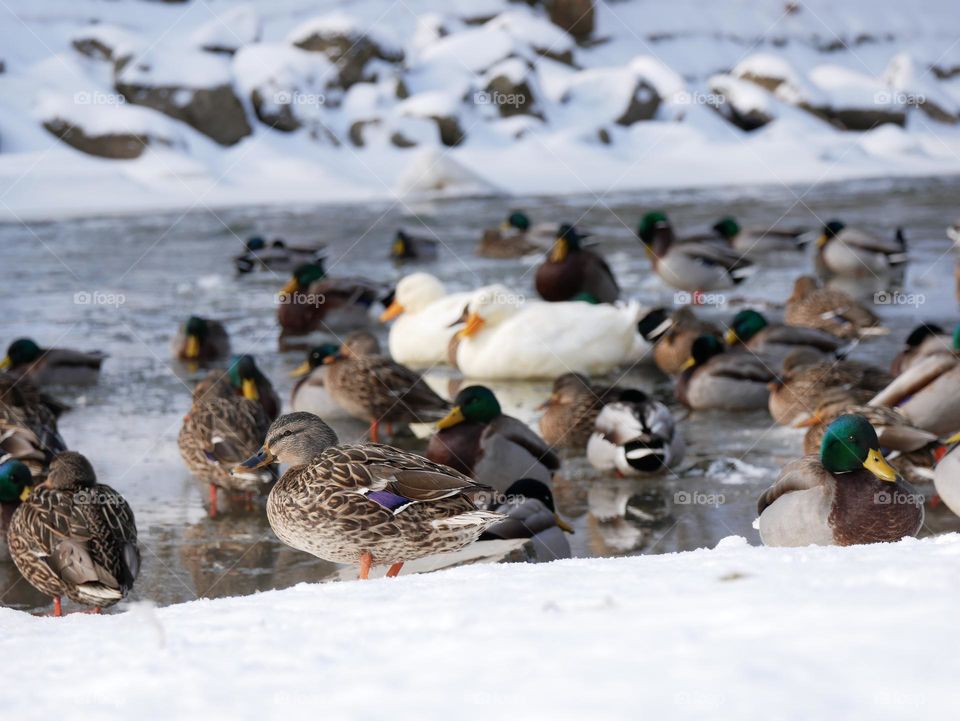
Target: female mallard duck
855,253
776,341
378,390
515,238
310,393
635,435
756,241
219,432
201,341
311,301
831,310
570,270
531,513
75,537
946,475
478,439
545,340
692,266
410,247
29,420
571,410
848,495
924,340
278,257
51,366
712,378
16,483
366,504
673,336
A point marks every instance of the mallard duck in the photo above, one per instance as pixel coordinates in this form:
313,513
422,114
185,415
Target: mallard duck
378,390
711,378
277,257
15,485
847,495
75,537
249,382
544,340
795,395
926,339
635,435
495,449
570,269
410,247
946,475
856,253
51,366
531,513
776,341
831,310
219,432
928,392
310,393
366,504
516,238
570,411
755,241
672,335
24,408
312,301
201,341
691,266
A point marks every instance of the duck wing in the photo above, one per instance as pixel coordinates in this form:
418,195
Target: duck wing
520,433
915,378
801,474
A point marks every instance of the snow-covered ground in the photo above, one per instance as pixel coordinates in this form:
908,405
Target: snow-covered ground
531,110
736,632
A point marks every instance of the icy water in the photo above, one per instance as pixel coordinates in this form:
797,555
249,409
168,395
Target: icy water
122,285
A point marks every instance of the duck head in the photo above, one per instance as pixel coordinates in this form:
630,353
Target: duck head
303,276
567,241
655,232
70,469
316,357
295,439
22,351
414,292
476,404
540,491
849,444
746,324
196,330
727,228
517,220
655,324
15,482
360,343
830,230
244,376
489,307
256,243
703,349
401,247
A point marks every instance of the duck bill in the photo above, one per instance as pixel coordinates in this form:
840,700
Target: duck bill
822,240
301,370
452,418
392,311
473,326
249,388
688,363
193,347
562,524
262,459
25,493
559,252
292,286
398,249
950,440
730,336
879,467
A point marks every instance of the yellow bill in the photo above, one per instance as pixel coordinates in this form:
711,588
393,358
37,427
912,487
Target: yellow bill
193,347
249,387
452,418
879,467
473,326
292,286
560,250
688,363
730,336
25,493
301,370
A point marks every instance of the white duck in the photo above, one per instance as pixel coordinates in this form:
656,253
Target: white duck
503,339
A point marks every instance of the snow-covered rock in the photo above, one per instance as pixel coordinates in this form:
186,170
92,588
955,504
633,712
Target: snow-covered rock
776,75
855,100
442,108
107,42
509,87
228,31
543,37
743,103
916,88
617,95
574,16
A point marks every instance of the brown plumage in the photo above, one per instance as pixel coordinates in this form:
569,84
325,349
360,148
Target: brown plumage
28,424
828,309
495,243
673,349
570,270
325,303
799,391
571,411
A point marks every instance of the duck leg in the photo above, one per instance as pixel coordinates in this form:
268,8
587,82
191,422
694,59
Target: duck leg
57,607
395,569
213,501
375,431
366,560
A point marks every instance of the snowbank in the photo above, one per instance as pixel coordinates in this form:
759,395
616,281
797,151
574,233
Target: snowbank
737,632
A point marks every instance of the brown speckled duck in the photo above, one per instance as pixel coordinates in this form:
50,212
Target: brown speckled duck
571,410
828,309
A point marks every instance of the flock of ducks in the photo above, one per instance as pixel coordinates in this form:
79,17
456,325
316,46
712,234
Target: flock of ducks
871,432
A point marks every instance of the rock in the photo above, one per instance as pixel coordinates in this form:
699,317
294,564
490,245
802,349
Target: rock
777,76
741,102
106,42
229,31
401,141
542,37
122,146
602,95
357,128
642,105
439,107
856,101
508,86
574,16
917,89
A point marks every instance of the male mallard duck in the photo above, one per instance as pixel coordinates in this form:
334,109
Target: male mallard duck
926,339
366,504
545,340
411,247
691,266
219,432
531,513
248,381
75,537
51,366
515,238
635,435
776,341
751,241
277,257
311,301
855,253
201,341
570,270
571,410
673,336
848,495
831,310
310,393
378,390
478,439
15,485
946,475
711,378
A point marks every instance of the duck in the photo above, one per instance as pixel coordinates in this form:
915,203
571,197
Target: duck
277,257
946,474
502,339
571,410
219,432
75,537
310,392
16,482
365,504
830,310
635,435
775,341
756,241
570,270
515,238
201,341
672,334
953,233
410,247
848,494
926,339
478,439
312,301
532,513
377,389
690,266
715,379
855,253
248,381
51,366
29,419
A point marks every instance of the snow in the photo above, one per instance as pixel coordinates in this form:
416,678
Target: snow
101,114
846,88
734,632
230,30
183,68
